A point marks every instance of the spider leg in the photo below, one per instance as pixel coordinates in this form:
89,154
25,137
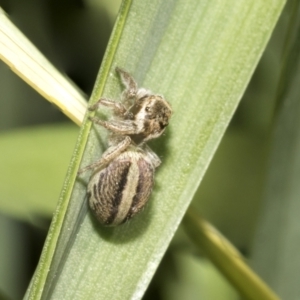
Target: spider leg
110,154
126,127
131,88
118,108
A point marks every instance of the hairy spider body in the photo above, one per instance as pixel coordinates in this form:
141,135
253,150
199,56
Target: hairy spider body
123,178
132,176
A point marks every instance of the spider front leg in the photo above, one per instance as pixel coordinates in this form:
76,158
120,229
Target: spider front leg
126,127
130,84
110,154
118,108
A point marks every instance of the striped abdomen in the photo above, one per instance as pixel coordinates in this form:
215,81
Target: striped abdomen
122,189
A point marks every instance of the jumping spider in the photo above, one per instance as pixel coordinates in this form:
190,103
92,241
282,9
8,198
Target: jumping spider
122,179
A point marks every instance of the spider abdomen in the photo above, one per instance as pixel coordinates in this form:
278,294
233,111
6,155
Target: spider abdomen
121,189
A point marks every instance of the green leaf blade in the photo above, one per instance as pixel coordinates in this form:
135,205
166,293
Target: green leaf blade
202,65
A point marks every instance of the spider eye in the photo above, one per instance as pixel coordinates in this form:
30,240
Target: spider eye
148,109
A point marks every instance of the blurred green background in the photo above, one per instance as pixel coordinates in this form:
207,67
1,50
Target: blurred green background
37,141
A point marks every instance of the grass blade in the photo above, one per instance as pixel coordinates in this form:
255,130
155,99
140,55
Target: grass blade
229,261
28,63
200,55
